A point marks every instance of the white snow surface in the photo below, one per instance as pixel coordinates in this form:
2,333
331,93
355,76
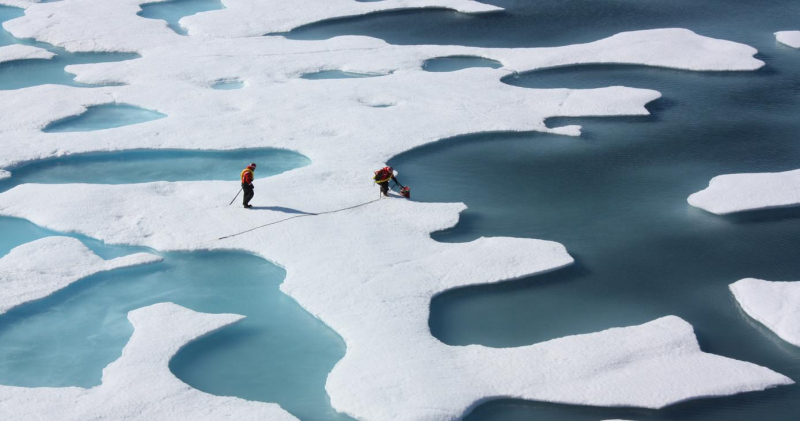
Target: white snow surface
371,271
39,268
139,385
775,304
4,174
732,193
374,288
74,24
790,38
331,120
23,52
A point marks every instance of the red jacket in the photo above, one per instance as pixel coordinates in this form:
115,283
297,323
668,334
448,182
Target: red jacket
247,176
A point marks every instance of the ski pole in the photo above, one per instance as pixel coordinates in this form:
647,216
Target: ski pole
234,197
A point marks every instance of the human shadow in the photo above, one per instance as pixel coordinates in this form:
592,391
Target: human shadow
282,209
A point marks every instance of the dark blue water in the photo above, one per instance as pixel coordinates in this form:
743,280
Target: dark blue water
27,73
173,11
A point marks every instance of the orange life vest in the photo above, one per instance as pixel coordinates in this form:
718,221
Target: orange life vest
383,175
247,176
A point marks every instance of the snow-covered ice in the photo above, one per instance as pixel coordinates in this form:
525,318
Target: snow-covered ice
775,304
790,38
340,267
394,368
732,193
23,52
174,78
4,174
139,385
74,24
39,268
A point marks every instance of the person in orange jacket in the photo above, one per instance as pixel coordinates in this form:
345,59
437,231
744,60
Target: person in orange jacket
247,185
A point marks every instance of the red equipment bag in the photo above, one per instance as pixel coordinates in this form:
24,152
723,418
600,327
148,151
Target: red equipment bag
406,192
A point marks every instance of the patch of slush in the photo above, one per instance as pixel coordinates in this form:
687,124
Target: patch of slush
790,38
173,11
775,304
455,63
153,165
139,384
40,268
102,117
732,193
23,52
336,74
226,85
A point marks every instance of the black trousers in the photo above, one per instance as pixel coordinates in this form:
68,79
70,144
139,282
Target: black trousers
384,188
248,193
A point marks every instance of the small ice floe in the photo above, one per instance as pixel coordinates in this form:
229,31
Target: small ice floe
776,305
42,267
790,38
732,193
23,52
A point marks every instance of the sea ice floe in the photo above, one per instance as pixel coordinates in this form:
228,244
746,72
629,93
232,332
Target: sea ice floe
368,272
775,304
274,111
4,174
74,24
23,52
139,385
790,38
732,193
39,268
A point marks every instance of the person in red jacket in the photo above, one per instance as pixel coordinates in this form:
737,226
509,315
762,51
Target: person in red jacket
382,178
247,185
